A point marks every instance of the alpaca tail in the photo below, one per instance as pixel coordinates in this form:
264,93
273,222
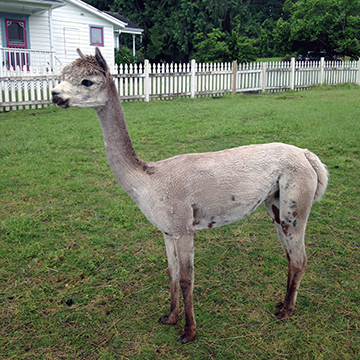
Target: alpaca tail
321,172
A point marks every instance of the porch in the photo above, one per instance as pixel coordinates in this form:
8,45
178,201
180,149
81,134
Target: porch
26,60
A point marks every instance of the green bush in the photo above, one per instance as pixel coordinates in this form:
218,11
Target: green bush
124,55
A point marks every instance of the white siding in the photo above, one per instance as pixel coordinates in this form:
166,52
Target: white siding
39,31
71,30
71,36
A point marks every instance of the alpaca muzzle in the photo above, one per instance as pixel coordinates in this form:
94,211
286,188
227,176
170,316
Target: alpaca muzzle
59,101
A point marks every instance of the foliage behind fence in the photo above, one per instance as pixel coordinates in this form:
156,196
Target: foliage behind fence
32,89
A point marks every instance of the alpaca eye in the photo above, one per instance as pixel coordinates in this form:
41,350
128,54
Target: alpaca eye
86,83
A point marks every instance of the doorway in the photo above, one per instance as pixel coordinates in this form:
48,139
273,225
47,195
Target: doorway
15,31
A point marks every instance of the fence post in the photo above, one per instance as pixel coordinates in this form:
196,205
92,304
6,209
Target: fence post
292,74
322,70
147,80
234,68
358,76
193,78
263,85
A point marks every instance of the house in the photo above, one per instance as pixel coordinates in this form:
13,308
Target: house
48,32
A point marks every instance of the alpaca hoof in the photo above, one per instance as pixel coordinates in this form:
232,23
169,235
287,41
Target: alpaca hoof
279,305
283,313
186,337
167,320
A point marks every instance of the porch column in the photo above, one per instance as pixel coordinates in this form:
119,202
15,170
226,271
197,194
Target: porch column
51,40
117,40
134,45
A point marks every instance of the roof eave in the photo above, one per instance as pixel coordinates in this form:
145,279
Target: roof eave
32,6
98,12
128,30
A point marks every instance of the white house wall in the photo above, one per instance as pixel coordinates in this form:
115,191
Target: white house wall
71,31
39,32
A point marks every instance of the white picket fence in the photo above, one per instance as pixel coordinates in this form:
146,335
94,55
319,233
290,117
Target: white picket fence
32,88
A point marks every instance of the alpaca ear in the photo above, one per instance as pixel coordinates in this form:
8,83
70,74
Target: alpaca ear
101,61
80,53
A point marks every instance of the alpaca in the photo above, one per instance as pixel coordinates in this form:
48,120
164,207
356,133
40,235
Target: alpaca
191,192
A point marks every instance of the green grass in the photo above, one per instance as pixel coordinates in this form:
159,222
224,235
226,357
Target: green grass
68,231
270,59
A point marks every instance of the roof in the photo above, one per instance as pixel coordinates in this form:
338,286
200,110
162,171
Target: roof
130,26
118,24
29,6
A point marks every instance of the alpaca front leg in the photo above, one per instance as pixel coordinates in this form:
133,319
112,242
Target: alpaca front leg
173,272
185,250
180,254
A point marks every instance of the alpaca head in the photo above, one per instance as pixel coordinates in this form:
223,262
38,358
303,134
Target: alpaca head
84,82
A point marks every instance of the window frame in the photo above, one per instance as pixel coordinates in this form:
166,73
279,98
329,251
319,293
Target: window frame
13,58
24,46
92,43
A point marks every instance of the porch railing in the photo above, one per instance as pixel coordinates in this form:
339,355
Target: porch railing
11,58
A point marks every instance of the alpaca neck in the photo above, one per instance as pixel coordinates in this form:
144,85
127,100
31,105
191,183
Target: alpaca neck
123,161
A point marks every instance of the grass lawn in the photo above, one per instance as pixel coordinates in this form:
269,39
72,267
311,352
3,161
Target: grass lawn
270,59
69,232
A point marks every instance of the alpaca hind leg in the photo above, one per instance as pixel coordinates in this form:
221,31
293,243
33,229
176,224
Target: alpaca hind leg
290,226
295,273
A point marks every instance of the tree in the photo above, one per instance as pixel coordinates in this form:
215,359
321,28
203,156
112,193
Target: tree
281,38
242,48
245,50
171,27
325,25
218,47
212,47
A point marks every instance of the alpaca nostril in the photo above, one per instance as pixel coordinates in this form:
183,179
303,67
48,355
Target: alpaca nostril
54,93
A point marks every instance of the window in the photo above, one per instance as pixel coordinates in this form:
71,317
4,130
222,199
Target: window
96,35
15,33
